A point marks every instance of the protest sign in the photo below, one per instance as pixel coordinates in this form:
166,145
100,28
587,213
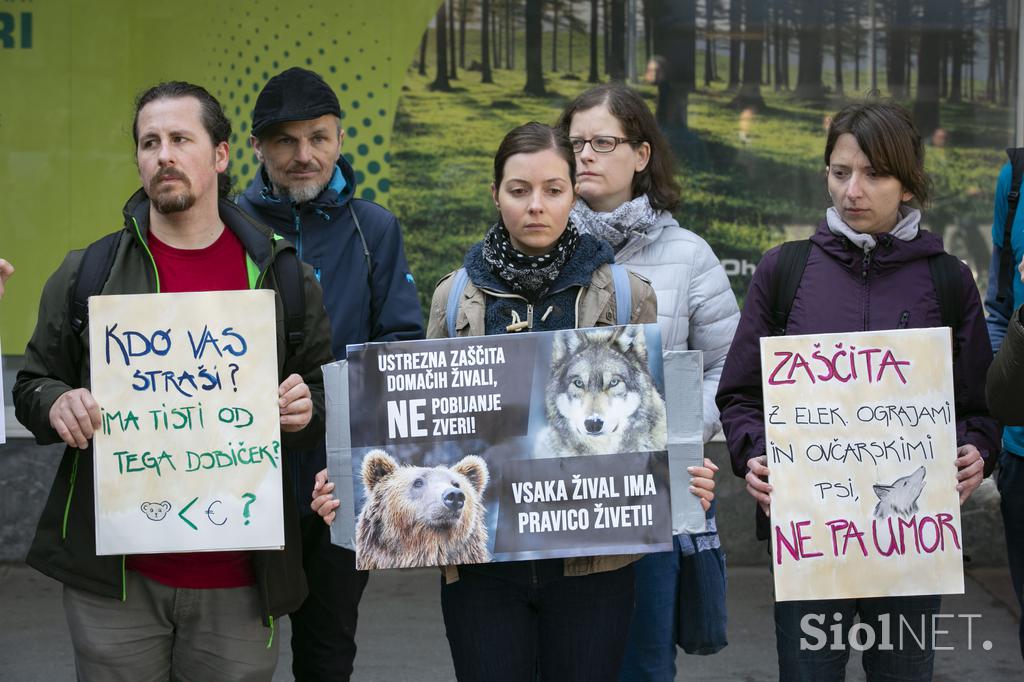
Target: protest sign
860,434
188,455
506,447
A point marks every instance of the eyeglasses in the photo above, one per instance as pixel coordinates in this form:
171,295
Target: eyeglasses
602,144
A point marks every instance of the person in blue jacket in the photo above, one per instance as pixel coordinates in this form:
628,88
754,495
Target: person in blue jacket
306,192
1010,479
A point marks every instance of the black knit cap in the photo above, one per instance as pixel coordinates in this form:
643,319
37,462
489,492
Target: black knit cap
293,95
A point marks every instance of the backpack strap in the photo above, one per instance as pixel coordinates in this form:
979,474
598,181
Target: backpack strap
459,282
623,294
1006,264
945,270
92,275
789,269
292,289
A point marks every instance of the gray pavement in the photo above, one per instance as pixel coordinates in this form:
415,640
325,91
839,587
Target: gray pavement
401,636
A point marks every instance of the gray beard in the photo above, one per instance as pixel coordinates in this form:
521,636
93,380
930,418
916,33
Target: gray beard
299,195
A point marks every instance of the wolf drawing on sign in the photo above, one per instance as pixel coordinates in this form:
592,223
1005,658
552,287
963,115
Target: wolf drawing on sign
601,399
900,497
421,516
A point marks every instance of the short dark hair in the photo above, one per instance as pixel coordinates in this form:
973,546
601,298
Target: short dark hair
658,179
210,112
886,133
529,138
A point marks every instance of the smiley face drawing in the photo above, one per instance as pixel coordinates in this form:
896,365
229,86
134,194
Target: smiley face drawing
156,511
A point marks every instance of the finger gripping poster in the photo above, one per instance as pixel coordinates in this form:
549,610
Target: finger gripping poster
860,435
509,447
188,454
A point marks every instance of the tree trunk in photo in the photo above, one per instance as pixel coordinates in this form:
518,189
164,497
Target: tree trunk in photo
857,37
485,42
593,77
441,35
512,39
510,63
1009,41
735,43
709,42
675,39
617,54
554,36
648,32
837,47
809,85
453,74
422,70
956,52
993,50
534,48
571,28
766,41
781,43
605,16
755,17
496,35
934,27
898,48
463,17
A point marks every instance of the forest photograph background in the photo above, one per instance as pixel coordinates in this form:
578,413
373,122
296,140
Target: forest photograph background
744,95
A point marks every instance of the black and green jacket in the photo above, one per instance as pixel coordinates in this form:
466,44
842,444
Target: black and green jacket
57,360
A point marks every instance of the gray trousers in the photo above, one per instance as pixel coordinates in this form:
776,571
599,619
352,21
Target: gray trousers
161,633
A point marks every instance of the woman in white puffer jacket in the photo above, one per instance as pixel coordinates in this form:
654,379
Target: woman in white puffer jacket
627,191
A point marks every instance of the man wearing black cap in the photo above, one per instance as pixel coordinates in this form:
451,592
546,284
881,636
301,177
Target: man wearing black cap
306,192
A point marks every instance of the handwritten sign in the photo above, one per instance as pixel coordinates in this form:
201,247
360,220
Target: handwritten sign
188,455
510,447
861,439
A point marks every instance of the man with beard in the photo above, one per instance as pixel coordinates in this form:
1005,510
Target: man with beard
306,192
203,615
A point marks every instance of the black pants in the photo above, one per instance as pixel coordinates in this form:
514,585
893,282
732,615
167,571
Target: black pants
324,627
511,626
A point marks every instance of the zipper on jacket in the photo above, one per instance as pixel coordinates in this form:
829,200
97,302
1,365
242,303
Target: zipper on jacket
298,231
864,280
71,491
270,640
534,583
156,273
904,319
124,579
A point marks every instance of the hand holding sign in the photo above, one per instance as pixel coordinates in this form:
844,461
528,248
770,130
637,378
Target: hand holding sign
971,469
75,416
703,482
295,403
6,270
757,483
324,502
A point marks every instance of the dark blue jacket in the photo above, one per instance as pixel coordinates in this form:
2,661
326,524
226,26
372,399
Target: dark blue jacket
368,296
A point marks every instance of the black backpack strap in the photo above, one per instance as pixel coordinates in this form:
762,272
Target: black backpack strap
92,275
1007,266
949,289
789,269
291,288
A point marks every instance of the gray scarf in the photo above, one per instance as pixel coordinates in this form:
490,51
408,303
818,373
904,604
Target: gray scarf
905,230
617,226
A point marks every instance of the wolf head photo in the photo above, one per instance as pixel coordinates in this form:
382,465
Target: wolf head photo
900,497
421,516
600,397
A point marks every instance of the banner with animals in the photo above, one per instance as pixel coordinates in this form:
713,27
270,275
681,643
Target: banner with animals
188,454
509,447
860,435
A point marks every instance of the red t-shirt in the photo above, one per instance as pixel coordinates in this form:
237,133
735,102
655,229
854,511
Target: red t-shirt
218,267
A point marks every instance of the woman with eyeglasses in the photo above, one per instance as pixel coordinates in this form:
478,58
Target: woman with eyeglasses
561,619
627,191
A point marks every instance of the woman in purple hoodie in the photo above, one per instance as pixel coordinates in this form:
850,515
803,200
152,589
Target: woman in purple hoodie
867,269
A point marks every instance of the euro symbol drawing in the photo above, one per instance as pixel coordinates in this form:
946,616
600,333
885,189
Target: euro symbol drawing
209,514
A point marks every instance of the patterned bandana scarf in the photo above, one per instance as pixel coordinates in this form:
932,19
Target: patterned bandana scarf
528,276
615,227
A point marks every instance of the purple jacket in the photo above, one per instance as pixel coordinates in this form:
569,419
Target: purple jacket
843,290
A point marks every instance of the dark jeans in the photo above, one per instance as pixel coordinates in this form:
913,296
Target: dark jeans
651,651
515,624
324,627
1010,482
826,659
